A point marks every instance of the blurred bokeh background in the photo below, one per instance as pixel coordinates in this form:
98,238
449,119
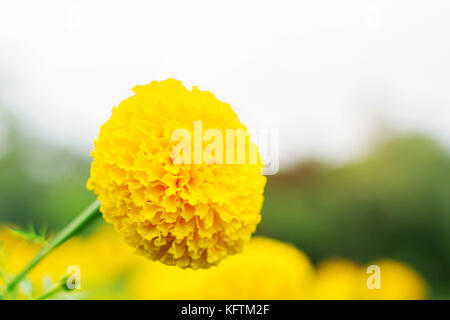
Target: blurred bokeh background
358,90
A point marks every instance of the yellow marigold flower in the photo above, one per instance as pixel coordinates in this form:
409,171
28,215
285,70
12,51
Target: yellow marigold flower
157,281
337,279
100,258
16,251
266,269
398,281
189,215
342,279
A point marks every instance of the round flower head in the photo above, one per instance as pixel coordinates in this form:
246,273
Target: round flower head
266,269
342,279
189,209
338,279
398,281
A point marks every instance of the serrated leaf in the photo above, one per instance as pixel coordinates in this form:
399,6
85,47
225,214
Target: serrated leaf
31,234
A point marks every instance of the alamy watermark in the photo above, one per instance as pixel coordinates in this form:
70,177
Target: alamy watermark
74,277
374,280
236,147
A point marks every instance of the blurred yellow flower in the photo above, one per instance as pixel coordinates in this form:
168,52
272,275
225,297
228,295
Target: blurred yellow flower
398,282
188,215
341,279
101,259
266,269
337,279
15,253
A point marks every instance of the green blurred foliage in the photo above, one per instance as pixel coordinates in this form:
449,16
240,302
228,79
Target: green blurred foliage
40,184
394,203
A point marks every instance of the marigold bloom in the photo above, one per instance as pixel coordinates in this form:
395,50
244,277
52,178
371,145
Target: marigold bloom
342,279
101,258
398,282
266,269
338,279
189,215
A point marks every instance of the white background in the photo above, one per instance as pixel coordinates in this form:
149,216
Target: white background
330,75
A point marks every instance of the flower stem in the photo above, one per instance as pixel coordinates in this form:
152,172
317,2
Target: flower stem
84,218
56,289
50,293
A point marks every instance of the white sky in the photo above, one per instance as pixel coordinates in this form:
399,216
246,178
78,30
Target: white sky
323,72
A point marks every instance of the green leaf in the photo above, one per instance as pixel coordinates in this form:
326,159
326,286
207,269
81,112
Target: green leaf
31,235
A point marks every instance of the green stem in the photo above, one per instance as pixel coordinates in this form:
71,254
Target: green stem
84,218
51,292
